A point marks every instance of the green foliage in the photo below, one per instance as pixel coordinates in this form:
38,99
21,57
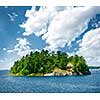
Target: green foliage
79,64
44,62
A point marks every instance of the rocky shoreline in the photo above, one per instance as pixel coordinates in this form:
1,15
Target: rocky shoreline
67,73
58,72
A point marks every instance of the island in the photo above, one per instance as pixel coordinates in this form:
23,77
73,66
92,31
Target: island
45,63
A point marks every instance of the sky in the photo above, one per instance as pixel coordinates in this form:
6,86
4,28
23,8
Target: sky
72,29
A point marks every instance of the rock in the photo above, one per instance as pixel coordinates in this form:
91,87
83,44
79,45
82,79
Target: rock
49,74
55,74
59,74
87,73
80,74
69,73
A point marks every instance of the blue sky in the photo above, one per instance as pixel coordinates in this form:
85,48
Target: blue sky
10,30
70,29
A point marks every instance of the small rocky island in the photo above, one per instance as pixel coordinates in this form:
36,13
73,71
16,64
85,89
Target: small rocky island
50,64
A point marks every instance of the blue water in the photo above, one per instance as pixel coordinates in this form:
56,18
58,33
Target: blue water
67,84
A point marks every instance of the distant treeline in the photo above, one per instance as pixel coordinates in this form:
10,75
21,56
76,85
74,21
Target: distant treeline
94,67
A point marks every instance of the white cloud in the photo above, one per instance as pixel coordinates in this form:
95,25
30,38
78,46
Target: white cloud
4,49
12,16
6,63
79,41
90,47
37,21
1,61
58,25
22,48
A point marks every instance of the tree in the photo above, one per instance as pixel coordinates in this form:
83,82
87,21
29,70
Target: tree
44,62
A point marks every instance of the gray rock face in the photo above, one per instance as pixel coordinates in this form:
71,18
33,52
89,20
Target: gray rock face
59,74
68,73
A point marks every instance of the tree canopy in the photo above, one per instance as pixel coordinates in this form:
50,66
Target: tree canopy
44,62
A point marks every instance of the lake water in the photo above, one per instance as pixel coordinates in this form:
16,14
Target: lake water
66,84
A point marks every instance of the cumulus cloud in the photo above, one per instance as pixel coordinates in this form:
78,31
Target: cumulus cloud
22,48
1,61
90,47
12,16
4,49
58,26
37,22
7,63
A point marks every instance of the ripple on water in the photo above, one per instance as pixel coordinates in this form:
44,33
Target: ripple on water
69,84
